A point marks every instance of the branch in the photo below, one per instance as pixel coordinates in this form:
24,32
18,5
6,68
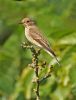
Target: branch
35,66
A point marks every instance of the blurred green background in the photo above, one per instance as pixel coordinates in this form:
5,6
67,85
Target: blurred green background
57,19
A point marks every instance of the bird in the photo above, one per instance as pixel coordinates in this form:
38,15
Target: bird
35,36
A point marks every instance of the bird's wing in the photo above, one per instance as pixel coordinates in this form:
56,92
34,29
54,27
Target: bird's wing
38,37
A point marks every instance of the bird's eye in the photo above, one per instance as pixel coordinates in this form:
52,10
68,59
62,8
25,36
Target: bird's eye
28,21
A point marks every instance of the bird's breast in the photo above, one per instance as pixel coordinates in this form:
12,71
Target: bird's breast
27,34
30,39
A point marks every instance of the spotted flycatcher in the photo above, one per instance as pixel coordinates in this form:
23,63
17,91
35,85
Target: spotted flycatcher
34,35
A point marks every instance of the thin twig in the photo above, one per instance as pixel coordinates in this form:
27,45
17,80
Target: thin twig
37,82
35,66
44,78
36,69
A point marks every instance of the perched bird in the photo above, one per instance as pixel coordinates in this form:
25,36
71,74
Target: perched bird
34,35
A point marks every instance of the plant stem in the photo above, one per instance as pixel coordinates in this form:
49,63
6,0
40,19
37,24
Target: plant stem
37,82
35,66
36,69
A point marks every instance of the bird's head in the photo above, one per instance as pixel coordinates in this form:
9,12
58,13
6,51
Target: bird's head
27,22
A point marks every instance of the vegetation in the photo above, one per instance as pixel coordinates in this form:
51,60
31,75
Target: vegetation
57,20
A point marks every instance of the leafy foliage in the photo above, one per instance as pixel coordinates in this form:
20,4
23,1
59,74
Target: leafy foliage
57,19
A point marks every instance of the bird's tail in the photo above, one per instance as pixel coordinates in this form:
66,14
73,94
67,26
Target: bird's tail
51,52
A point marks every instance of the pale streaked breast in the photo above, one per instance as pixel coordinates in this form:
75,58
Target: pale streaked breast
30,39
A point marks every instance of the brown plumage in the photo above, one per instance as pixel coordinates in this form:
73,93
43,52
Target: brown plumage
34,35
